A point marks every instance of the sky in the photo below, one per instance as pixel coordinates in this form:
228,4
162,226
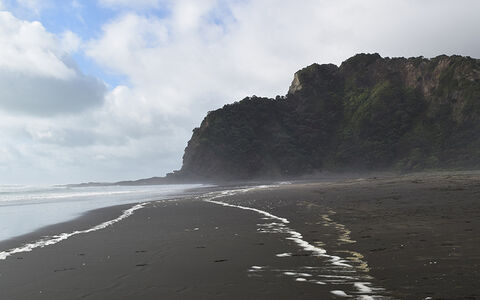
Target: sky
108,90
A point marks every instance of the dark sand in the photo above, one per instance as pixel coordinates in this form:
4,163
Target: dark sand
415,236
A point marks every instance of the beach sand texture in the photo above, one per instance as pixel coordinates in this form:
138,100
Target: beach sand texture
397,237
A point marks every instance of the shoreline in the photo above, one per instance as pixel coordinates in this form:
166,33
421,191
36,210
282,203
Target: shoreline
89,218
83,222
26,209
185,250
412,236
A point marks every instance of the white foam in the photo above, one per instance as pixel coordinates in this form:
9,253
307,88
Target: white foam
337,276
365,297
280,228
289,273
340,293
363,287
297,238
300,279
269,215
244,190
294,235
47,241
339,261
41,196
257,267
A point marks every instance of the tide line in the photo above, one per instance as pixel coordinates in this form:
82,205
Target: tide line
363,290
294,236
267,214
51,240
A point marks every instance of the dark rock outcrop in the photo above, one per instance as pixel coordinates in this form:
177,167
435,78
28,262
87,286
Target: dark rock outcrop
371,113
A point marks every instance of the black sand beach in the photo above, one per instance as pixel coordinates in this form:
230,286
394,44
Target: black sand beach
406,237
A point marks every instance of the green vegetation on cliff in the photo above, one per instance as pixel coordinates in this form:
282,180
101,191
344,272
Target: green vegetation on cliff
371,113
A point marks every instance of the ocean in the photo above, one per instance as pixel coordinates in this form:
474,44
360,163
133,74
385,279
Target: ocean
26,208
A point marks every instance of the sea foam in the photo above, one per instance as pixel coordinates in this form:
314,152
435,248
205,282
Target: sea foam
47,241
363,290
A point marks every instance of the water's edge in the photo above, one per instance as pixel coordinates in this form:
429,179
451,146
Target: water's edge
99,219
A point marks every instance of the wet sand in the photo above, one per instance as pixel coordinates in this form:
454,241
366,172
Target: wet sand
173,250
407,237
416,235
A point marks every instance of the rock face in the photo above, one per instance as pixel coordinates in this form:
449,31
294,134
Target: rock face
371,113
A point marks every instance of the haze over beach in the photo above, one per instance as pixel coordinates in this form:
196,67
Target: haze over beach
239,149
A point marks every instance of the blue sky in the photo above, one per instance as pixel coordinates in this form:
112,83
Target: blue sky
106,90
85,20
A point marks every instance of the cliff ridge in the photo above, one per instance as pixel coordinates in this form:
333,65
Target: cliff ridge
368,114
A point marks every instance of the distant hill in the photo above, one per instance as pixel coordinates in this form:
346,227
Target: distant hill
369,114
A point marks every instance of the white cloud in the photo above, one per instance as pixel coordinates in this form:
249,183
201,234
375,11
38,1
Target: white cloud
37,74
28,48
188,14
70,42
131,3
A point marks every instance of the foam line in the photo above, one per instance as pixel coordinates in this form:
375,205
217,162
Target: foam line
269,215
363,287
340,293
47,241
300,279
297,237
294,235
257,267
365,297
337,276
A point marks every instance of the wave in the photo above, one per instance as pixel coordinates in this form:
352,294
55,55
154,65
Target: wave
47,205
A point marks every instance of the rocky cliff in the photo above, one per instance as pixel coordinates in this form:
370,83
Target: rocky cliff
370,113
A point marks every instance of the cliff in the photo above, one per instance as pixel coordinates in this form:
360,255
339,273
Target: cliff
370,113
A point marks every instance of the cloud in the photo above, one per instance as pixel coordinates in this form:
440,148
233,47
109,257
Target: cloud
28,48
47,96
130,3
37,74
70,42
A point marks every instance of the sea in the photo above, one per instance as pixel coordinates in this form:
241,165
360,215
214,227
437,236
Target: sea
26,208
